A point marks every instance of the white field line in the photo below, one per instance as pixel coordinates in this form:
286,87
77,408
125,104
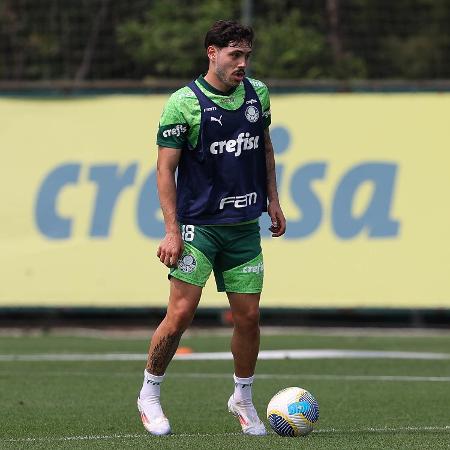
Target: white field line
216,356
311,376
262,376
195,435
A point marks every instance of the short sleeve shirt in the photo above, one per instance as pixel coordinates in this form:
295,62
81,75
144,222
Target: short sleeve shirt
181,117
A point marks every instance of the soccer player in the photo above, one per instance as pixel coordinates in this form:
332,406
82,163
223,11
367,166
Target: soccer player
215,133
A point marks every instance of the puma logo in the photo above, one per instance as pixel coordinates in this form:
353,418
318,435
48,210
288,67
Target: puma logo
215,119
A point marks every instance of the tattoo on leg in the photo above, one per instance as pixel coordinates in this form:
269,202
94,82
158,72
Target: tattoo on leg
163,353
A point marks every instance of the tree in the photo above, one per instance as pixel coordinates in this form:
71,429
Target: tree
109,39
169,41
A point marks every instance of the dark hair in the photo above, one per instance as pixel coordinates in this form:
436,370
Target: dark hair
225,31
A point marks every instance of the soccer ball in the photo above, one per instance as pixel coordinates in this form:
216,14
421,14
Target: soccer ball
293,412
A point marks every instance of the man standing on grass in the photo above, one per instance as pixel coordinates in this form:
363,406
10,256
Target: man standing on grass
215,131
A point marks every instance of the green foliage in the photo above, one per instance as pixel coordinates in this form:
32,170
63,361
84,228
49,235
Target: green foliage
106,39
415,57
349,67
286,49
169,41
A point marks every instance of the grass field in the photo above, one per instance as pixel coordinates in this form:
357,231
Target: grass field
365,402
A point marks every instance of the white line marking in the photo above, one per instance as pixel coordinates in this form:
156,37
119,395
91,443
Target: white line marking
76,438
225,356
263,376
384,429
319,354
311,376
342,430
445,428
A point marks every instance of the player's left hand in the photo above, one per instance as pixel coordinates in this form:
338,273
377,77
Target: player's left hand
275,212
170,249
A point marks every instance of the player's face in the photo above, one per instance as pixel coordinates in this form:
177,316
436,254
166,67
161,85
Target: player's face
229,63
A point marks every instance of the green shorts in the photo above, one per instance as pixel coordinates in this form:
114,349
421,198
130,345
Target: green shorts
232,251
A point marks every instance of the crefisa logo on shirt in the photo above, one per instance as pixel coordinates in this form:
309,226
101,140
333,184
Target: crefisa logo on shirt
175,131
252,113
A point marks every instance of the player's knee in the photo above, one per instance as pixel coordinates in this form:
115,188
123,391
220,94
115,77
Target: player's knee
248,319
179,319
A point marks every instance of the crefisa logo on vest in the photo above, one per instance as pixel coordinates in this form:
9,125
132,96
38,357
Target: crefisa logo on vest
187,263
243,142
252,113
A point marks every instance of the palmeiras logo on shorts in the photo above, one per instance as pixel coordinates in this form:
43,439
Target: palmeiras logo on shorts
187,263
252,113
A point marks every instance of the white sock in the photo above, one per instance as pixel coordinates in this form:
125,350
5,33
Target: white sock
243,389
150,392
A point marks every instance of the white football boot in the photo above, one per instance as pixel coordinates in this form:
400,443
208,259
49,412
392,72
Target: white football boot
158,426
248,417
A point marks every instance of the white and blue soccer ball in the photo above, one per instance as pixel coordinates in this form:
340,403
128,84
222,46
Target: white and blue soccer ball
293,412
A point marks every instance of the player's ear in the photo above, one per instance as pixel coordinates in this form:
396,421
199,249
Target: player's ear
211,52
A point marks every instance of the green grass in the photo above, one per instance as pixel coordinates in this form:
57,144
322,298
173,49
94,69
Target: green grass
91,405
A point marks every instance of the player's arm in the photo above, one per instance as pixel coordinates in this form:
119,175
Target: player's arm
171,246
274,210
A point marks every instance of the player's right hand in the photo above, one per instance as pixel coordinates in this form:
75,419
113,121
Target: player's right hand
170,249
